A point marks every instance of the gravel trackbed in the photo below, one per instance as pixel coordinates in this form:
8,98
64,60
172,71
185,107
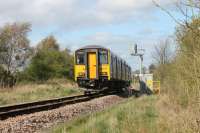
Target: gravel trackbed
37,121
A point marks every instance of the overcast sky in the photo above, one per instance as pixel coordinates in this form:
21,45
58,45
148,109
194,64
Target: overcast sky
115,24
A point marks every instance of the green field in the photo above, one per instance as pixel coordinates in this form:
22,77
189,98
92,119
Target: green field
143,115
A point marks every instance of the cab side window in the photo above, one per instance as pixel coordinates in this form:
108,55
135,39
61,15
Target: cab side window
103,57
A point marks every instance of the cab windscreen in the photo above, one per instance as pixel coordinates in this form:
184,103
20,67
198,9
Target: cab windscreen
80,58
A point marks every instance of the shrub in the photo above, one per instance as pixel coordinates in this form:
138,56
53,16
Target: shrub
48,64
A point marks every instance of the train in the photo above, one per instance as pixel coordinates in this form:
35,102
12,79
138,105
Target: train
96,67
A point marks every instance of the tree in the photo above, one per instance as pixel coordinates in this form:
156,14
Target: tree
162,53
181,77
69,62
48,43
189,9
1,74
144,70
14,48
39,69
163,56
50,62
152,68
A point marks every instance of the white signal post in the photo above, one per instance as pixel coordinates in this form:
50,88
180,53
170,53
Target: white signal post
141,54
146,79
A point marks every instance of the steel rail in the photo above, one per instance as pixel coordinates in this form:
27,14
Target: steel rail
31,107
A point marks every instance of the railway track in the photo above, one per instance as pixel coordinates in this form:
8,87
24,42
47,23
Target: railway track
31,107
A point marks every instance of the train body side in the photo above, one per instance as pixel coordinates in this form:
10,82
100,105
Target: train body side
120,72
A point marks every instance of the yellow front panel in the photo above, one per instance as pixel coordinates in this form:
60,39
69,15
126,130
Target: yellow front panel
79,71
105,68
92,64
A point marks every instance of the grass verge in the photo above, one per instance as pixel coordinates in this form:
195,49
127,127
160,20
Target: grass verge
152,114
140,116
35,92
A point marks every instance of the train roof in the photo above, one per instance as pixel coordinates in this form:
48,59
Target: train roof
92,47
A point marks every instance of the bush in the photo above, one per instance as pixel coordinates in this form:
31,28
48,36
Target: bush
48,64
180,78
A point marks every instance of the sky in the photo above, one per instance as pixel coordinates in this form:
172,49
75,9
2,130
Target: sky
115,24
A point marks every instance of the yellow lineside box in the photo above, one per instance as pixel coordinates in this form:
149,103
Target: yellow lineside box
156,87
150,84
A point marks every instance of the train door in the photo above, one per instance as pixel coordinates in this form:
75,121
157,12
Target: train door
92,65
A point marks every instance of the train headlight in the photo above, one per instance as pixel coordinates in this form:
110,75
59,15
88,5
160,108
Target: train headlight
81,74
103,73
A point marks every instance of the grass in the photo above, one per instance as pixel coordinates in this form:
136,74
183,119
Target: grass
140,116
154,114
35,92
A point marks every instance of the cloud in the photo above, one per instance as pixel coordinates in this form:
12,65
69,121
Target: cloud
74,14
69,17
108,39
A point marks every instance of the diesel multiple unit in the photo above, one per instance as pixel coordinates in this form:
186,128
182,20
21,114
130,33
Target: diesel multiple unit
97,67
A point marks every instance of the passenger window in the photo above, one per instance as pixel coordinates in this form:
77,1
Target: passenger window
103,57
80,58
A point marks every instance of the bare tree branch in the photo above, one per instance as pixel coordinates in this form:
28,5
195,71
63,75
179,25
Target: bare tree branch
162,52
166,11
186,22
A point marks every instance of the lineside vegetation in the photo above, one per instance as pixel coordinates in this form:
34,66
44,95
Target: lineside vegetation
29,92
180,77
152,114
21,63
32,73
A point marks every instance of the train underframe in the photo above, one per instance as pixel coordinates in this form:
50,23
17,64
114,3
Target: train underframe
102,84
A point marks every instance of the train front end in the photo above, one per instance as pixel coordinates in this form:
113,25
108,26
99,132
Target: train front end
92,69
